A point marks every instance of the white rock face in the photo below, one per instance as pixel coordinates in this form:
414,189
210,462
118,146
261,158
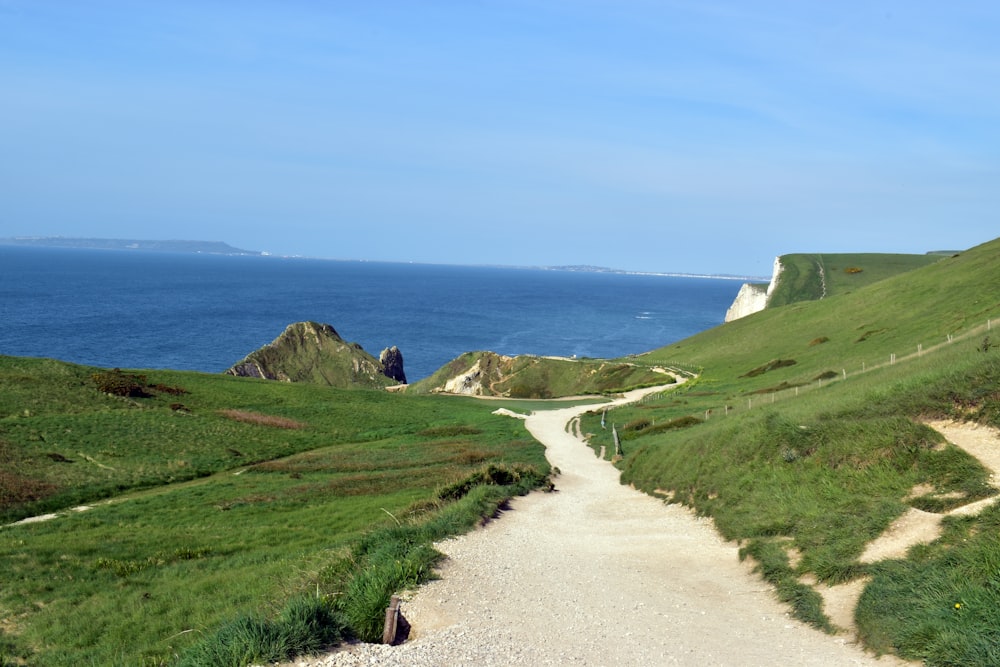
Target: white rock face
467,383
753,297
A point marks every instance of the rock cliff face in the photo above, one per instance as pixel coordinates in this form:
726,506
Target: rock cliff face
314,352
753,297
392,364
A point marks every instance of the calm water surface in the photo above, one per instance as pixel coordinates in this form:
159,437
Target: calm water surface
206,312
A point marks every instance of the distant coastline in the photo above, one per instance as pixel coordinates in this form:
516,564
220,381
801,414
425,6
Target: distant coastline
209,247
222,248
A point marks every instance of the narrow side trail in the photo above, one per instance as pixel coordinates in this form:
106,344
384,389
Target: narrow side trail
597,573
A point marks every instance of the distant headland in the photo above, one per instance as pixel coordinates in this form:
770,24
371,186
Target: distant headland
205,247
221,248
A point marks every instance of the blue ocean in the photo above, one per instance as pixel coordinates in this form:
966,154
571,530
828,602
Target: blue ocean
205,312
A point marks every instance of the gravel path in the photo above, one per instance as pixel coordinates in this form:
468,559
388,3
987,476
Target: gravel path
597,574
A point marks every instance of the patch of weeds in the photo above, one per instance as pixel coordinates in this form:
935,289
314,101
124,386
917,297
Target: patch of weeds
127,567
259,419
868,334
492,475
774,364
778,387
449,431
659,427
118,383
16,489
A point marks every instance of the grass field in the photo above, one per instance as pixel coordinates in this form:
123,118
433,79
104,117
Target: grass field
251,494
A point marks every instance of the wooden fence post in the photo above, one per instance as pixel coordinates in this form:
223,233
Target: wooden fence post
391,620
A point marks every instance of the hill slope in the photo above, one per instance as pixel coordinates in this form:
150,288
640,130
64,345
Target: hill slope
804,439
313,352
525,376
810,277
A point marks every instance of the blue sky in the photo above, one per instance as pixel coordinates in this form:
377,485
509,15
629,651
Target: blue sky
690,136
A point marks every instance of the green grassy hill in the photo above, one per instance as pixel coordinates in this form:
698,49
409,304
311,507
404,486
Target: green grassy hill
808,277
803,439
524,376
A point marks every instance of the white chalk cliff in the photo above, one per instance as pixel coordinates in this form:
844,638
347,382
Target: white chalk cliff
753,297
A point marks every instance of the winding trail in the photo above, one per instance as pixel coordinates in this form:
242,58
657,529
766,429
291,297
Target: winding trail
597,574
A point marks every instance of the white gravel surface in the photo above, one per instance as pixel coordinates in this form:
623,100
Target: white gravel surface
597,573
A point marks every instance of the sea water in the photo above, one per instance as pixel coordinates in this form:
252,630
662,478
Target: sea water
137,309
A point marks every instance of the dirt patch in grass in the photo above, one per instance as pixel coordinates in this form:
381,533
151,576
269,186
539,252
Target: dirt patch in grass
17,489
260,419
774,364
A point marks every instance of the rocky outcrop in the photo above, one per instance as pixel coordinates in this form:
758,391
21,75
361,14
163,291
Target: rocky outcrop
753,297
314,352
392,364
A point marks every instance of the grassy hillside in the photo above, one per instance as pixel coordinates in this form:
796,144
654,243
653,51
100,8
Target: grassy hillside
808,277
232,498
803,440
491,374
314,352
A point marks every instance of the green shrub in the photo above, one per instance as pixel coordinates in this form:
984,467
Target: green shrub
117,383
498,475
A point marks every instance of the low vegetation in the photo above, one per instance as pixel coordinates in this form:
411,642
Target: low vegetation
803,464
261,520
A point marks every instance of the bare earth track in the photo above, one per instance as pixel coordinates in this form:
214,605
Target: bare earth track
597,574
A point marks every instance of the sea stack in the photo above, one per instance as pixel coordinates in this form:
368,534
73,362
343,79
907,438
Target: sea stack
392,364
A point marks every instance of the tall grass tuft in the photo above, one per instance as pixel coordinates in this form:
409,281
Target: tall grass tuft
306,625
402,556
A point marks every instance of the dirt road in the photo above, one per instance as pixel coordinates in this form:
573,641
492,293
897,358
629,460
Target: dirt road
597,574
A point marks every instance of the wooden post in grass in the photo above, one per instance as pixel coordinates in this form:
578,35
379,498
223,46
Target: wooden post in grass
391,620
